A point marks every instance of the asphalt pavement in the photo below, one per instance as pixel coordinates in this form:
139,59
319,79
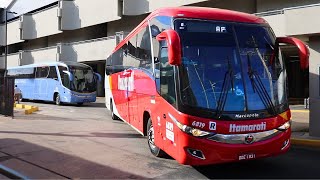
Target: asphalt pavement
70,142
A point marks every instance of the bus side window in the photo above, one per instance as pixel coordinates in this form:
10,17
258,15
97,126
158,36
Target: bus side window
109,69
53,73
42,72
144,49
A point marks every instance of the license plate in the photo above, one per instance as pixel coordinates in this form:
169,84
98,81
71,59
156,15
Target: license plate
247,156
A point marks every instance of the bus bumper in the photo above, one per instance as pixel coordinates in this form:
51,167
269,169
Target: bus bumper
196,151
81,98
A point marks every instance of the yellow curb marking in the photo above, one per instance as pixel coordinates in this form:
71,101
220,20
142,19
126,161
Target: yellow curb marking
305,142
28,108
304,111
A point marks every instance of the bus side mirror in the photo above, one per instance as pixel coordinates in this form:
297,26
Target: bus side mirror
98,77
174,46
69,75
303,49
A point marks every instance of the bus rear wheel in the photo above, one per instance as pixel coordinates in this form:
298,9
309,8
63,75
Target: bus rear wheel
57,99
155,150
113,116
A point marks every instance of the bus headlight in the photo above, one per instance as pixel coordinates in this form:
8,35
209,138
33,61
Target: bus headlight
285,126
189,130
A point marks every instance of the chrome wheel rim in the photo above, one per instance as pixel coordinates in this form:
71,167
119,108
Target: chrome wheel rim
151,137
58,100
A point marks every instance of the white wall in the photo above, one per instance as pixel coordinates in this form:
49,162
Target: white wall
267,5
41,24
40,55
13,60
137,7
247,6
82,13
277,23
14,32
85,51
302,20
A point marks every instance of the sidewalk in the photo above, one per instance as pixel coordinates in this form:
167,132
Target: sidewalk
300,127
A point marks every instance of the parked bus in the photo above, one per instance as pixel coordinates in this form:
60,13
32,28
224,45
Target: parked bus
204,85
60,82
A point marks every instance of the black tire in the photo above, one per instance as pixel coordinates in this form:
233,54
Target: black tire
57,99
156,151
113,116
80,104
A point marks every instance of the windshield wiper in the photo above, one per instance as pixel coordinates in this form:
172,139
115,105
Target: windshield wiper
228,77
257,86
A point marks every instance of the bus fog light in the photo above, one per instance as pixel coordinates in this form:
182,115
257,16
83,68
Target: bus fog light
285,144
196,153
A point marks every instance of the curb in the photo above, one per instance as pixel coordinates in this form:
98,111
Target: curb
28,108
305,142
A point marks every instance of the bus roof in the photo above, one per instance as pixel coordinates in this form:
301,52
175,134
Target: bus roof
197,13
208,13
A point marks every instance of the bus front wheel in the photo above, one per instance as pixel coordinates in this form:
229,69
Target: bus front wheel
156,151
57,99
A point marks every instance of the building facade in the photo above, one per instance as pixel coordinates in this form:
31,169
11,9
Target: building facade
87,31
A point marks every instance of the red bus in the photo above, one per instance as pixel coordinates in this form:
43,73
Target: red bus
204,85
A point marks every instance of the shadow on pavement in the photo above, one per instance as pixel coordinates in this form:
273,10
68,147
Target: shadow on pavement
37,162
97,134
298,163
19,115
92,104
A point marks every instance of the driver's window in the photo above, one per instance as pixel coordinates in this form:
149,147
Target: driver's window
65,80
167,85
64,77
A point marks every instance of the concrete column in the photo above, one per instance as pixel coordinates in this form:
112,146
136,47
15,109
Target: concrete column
314,91
101,71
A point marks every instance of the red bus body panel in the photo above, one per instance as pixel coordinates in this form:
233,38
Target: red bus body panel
134,92
132,104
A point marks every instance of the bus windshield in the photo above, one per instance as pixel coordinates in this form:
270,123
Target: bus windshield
230,67
83,79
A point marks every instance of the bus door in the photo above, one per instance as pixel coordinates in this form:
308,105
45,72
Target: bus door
166,88
36,89
42,83
132,101
126,89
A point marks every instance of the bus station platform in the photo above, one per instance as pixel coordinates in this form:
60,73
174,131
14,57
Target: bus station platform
300,127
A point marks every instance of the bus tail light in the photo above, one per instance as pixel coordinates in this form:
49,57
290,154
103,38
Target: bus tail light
189,130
